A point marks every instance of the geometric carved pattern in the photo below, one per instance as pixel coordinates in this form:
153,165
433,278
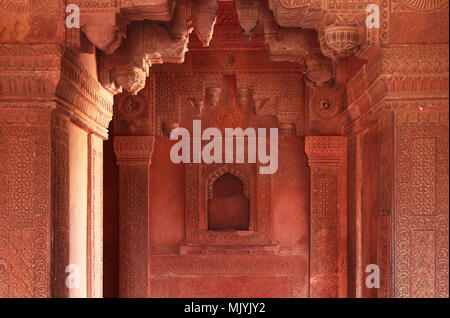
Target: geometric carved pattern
61,216
423,176
324,247
421,217
279,93
133,231
25,211
283,93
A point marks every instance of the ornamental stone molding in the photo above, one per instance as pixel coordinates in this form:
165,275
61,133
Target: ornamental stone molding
397,77
54,74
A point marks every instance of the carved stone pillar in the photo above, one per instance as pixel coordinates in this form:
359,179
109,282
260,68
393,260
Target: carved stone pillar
326,156
133,157
50,105
403,92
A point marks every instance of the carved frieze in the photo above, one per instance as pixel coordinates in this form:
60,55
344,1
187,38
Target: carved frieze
398,77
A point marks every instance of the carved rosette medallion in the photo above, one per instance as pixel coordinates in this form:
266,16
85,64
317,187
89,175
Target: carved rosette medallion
131,107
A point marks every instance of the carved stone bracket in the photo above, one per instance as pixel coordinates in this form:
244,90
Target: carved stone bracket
248,12
341,38
204,15
148,43
319,72
341,25
298,13
104,22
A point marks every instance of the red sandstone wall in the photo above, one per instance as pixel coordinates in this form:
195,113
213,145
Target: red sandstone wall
284,275
167,214
290,214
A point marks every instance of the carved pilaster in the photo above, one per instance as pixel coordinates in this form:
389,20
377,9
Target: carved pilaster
421,210
133,157
61,203
46,87
25,202
386,199
328,215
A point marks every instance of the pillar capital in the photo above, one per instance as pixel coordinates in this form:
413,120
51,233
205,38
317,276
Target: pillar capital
51,77
134,150
325,149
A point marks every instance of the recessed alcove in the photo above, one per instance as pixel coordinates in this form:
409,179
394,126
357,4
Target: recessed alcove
228,209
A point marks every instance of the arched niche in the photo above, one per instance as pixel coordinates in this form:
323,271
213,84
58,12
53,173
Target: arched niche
204,182
228,206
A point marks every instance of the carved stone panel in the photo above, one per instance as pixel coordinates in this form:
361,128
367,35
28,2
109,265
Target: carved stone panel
421,205
25,203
